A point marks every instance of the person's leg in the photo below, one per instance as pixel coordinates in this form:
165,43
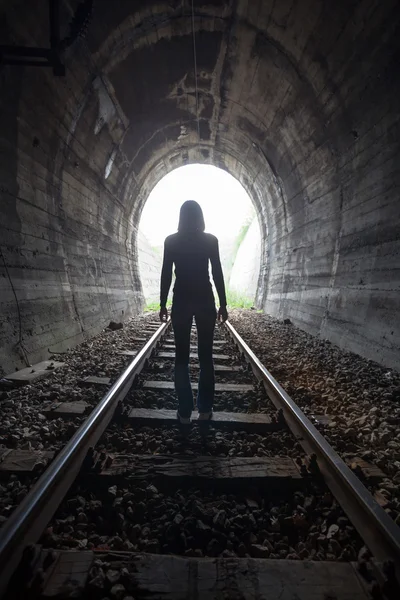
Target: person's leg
205,322
182,323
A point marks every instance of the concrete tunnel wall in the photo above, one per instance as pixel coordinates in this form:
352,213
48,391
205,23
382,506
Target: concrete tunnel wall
297,100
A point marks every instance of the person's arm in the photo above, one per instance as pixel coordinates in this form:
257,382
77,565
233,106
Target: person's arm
166,278
218,279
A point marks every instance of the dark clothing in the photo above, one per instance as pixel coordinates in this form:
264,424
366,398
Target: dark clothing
193,297
182,320
191,252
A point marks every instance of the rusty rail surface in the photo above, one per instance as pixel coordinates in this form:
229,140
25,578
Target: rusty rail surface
27,523
379,532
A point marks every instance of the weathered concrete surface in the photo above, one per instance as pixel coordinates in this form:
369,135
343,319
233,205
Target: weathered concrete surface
298,100
29,374
246,268
150,264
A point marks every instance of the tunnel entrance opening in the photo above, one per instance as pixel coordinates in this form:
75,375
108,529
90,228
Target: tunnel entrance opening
229,214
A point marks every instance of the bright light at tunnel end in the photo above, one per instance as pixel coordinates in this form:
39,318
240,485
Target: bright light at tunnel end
228,214
225,203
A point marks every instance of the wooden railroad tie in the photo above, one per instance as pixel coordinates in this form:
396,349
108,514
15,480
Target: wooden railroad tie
171,346
193,355
248,421
217,368
178,468
66,410
156,417
94,380
23,461
29,374
178,578
361,467
240,388
171,340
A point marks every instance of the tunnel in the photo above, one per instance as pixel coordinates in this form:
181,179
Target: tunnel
298,100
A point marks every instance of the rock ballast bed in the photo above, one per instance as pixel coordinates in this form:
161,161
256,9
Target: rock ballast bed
361,397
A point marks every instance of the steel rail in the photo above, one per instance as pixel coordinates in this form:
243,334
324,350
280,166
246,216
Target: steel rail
376,528
30,518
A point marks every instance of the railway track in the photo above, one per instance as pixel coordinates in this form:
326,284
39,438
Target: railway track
202,513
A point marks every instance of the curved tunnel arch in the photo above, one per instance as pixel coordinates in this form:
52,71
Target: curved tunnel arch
263,159
289,105
286,63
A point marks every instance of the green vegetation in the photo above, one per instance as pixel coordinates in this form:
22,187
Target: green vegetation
236,300
157,250
155,306
239,239
233,299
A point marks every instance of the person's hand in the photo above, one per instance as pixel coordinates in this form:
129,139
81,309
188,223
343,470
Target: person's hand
163,315
222,314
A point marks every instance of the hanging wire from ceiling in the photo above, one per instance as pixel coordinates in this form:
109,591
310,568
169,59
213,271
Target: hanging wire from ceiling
195,72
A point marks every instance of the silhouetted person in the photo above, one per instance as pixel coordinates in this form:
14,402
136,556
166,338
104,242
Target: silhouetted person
190,250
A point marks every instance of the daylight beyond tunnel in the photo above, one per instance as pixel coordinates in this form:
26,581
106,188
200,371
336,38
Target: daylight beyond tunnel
296,100
229,215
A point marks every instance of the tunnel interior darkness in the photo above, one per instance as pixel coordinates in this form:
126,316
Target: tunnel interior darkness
297,100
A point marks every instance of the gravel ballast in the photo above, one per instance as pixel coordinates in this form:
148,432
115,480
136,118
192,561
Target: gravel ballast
361,398
138,516
169,440
22,419
23,424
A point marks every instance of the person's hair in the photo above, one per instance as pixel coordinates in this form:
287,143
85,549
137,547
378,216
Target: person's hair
191,217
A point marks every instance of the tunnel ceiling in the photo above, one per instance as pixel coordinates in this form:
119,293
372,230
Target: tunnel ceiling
278,92
264,89
277,102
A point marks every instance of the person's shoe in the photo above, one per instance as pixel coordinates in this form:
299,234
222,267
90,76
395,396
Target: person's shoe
183,420
205,416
